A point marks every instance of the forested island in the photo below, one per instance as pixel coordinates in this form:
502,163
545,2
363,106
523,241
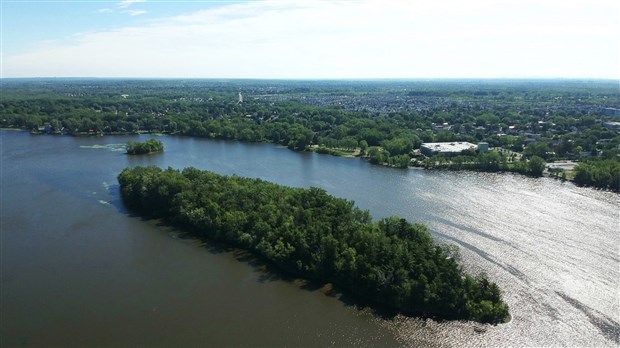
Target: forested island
384,121
306,232
146,147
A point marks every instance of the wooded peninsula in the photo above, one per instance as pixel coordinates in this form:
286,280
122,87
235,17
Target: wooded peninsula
306,232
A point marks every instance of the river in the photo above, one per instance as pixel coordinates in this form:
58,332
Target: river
78,270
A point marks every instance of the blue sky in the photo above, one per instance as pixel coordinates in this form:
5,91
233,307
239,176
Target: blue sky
26,23
312,39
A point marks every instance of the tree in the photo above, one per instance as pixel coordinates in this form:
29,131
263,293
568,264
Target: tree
363,146
536,166
378,155
299,137
398,146
537,148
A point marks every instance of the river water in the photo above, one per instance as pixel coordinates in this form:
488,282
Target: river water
78,270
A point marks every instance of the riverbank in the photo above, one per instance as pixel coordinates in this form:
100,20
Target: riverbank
13,129
559,170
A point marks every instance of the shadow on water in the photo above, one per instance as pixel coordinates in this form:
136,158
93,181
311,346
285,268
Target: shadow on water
114,190
512,270
268,272
604,324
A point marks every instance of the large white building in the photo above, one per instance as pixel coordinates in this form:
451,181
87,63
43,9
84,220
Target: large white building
453,148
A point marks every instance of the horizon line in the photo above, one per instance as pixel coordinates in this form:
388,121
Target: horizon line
307,78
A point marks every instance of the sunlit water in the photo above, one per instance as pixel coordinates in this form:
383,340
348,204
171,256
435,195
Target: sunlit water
78,270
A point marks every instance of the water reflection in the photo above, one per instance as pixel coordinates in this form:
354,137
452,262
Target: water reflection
71,263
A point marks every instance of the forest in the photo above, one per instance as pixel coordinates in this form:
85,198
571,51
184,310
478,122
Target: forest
306,232
384,121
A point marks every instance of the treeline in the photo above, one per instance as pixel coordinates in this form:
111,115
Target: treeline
381,121
309,233
563,117
492,161
140,148
602,173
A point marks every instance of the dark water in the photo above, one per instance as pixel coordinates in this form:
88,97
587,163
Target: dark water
77,270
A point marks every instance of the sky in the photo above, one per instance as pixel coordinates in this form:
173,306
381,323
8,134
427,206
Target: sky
305,39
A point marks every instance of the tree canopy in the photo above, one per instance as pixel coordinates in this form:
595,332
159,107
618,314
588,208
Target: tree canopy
306,232
140,148
601,173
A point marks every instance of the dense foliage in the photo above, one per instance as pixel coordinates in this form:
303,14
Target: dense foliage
493,161
601,173
309,233
140,148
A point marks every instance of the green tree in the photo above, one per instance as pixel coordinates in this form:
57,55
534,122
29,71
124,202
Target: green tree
536,166
363,146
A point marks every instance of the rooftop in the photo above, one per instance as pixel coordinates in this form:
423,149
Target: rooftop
449,146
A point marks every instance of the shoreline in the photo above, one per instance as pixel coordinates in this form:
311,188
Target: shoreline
339,153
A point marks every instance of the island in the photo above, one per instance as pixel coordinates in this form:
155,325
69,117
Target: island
147,147
390,263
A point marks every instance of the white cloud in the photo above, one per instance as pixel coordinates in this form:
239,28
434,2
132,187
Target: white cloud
127,3
356,39
134,13
123,7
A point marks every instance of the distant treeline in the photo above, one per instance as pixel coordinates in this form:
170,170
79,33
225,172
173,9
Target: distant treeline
309,233
564,116
384,120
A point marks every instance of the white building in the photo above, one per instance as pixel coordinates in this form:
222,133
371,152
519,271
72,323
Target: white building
453,148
